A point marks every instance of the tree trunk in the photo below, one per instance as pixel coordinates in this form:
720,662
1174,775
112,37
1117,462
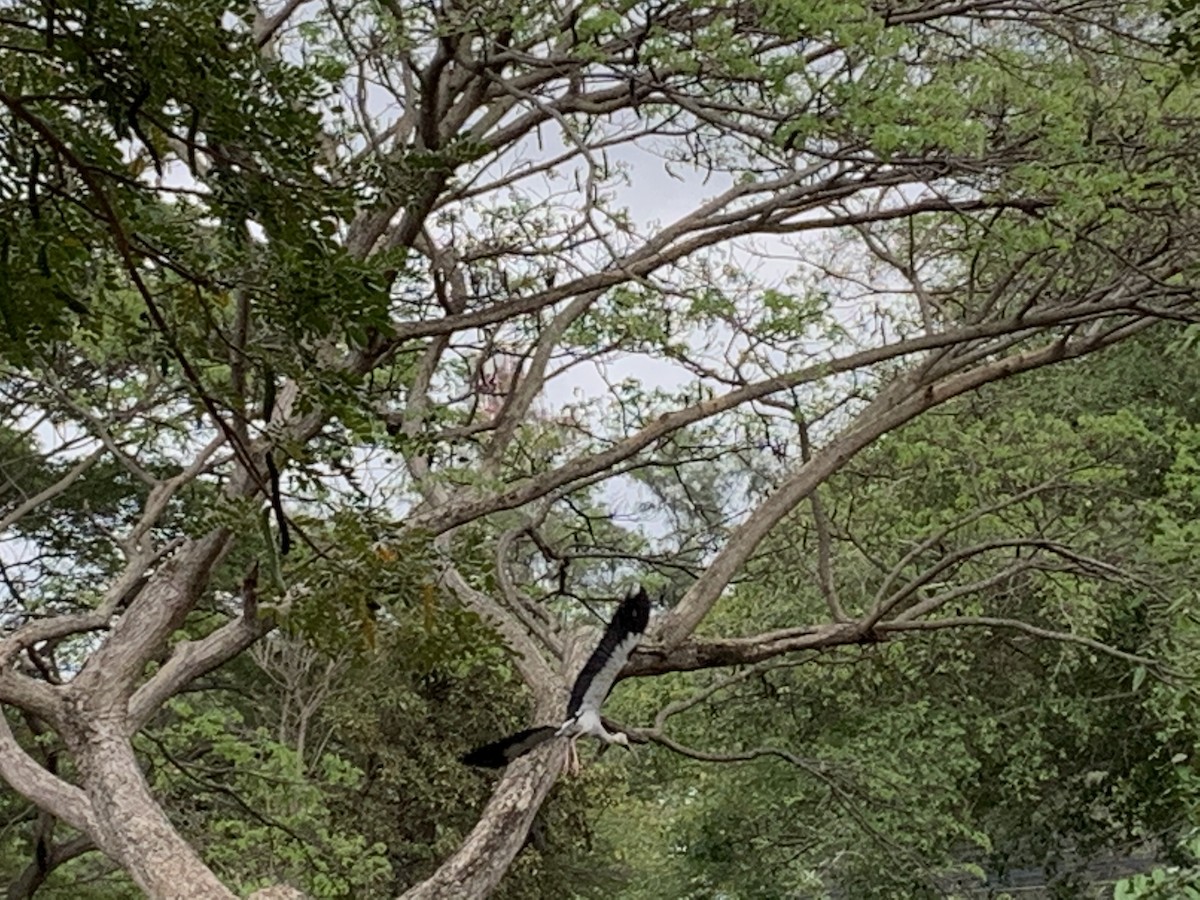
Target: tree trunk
478,865
131,826
484,857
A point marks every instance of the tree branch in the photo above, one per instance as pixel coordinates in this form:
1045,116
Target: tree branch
47,494
466,507
26,884
191,660
897,627
49,792
110,673
899,403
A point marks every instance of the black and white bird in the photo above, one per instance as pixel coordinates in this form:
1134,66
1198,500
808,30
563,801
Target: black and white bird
591,689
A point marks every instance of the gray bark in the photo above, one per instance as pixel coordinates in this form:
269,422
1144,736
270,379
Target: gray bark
481,861
130,826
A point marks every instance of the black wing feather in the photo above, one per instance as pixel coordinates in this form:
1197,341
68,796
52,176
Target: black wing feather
500,753
599,673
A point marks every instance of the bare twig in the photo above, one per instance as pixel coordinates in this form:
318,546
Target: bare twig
1018,625
47,494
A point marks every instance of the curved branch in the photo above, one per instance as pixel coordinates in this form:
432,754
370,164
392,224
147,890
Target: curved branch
526,611
108,677
944,562
682,705
192,659
1017,625
32,877
824,541
49,493
811,766
973,516
534,669
483,858
459,510
49,792
899,403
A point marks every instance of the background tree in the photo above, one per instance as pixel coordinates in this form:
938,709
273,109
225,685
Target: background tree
912,768
268,272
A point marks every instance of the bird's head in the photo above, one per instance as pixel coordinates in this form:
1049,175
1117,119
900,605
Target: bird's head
622,739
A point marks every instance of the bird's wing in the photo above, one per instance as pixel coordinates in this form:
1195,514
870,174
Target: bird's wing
500,753
620,637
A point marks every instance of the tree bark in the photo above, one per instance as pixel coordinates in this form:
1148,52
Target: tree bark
478,865
482,860
130,826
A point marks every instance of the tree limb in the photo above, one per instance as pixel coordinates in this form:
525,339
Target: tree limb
49,792
894,406
109,676
897,627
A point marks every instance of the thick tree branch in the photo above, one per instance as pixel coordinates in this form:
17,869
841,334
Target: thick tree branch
110,674
693,654
191,660
49,792
484,856
535,671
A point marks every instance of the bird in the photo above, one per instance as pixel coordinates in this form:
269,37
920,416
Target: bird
590,690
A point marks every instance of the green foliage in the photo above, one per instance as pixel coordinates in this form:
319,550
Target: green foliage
255,808
1165,883
1183,40
148,74
927,764
179,241
384,799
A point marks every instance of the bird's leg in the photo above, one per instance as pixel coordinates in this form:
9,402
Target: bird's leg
572,756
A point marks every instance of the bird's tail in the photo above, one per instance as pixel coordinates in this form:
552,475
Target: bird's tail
500,753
